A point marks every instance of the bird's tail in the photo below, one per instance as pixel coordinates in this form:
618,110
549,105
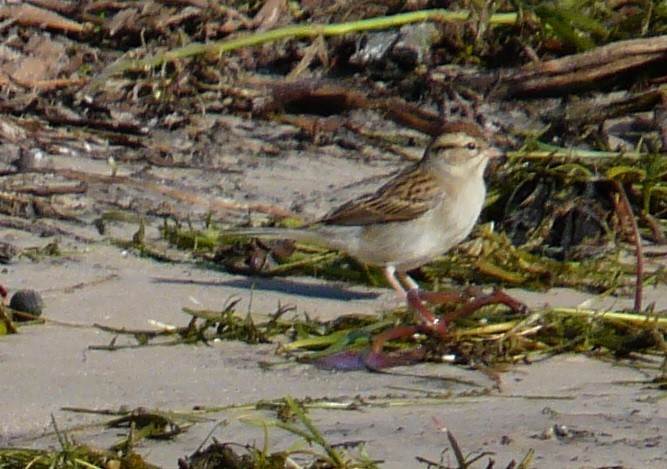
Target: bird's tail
296,234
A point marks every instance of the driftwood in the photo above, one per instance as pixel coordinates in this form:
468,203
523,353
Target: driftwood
562,76
593,111
317,96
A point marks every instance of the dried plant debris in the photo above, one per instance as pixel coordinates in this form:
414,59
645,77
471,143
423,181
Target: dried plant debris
74,456
140,424
232,455
502,337
6,324
464,461
204,326
310,450
71,455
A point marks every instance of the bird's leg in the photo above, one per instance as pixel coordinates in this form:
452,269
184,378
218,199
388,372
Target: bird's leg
390,275
407,281
375,359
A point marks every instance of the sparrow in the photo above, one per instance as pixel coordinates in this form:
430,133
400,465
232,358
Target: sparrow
419,214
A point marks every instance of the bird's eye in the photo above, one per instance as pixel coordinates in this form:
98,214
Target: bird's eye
472,146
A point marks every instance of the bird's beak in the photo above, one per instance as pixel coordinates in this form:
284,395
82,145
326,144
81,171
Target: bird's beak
493,153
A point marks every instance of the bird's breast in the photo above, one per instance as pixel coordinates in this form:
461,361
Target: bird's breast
408,245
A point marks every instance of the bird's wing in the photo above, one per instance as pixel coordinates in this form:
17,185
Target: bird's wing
404,198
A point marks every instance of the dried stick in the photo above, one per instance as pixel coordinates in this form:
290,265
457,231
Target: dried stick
624,204
580,70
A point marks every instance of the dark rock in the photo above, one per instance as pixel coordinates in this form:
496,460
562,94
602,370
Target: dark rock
27,301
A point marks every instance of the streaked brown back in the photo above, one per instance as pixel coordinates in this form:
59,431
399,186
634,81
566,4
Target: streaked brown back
406,197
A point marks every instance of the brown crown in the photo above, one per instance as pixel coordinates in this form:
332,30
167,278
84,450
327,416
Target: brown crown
467,127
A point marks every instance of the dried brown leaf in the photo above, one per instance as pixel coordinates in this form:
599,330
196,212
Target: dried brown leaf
29,15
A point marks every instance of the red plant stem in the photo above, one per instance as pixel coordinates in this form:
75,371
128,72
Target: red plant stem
637,241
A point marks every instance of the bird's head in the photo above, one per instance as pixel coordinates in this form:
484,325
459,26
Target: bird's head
462,149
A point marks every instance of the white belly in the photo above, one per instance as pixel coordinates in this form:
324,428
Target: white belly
407,245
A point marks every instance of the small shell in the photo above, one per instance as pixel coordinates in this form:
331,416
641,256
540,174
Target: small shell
27,301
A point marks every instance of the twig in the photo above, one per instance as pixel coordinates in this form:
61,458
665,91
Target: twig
30,15
548,152
637,241
78,286
585,69
47,191
635,319
4,319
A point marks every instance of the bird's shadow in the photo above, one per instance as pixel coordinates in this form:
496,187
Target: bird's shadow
280,285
